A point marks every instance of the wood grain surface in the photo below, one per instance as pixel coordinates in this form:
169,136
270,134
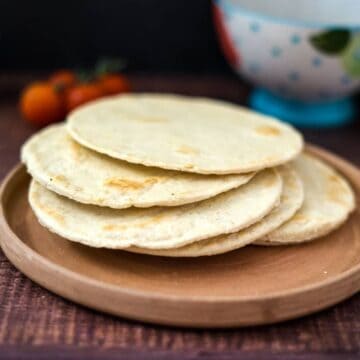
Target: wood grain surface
37,324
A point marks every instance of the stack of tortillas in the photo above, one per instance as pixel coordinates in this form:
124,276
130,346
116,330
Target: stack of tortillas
179,176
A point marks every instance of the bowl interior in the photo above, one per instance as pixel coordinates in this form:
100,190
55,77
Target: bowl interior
321,12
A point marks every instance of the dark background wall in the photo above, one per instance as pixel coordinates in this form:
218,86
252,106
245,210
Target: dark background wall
153,35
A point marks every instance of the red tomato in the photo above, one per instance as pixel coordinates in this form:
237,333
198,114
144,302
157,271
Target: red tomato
82,94
41,104
63,78
114,84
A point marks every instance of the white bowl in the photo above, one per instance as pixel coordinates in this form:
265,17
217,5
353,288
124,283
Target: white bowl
307,50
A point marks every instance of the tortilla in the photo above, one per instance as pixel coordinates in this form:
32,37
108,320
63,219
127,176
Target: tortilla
60,164
291,200
157,227
184,133
328,202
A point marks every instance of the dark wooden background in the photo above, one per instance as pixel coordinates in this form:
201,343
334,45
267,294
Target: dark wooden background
153,35
35,324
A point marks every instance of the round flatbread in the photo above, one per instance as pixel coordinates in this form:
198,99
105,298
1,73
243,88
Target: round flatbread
157,227
328,202
184,133
60,164
291,200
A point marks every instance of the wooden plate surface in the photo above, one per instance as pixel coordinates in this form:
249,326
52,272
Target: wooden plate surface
253,285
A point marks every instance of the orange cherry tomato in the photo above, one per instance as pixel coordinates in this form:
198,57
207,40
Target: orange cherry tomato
81,94
63,79
41,104
114,84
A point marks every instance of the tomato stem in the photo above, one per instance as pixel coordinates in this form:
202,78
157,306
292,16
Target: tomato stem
59,88
109,65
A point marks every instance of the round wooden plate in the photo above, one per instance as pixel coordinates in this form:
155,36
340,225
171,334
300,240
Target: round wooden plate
253,285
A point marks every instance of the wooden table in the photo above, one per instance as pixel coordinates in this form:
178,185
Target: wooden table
37,324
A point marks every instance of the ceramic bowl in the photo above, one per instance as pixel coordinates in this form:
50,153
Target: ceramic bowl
303,55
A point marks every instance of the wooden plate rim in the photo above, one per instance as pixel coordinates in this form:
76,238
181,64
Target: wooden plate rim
47,265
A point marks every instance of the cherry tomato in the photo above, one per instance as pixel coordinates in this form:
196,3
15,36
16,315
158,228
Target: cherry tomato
41,103
81,94
114,84
63,79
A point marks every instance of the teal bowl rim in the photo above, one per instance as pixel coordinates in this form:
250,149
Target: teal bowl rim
282,21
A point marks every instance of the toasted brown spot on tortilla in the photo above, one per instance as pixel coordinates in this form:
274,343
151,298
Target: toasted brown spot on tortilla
334,178
334,197
125,184
61,178
184,149
268,130
299,218
189,166
269,181
76,149
292,183
98,200
153,220
334,194
111,227
335,189
52,213
270,159
55,215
